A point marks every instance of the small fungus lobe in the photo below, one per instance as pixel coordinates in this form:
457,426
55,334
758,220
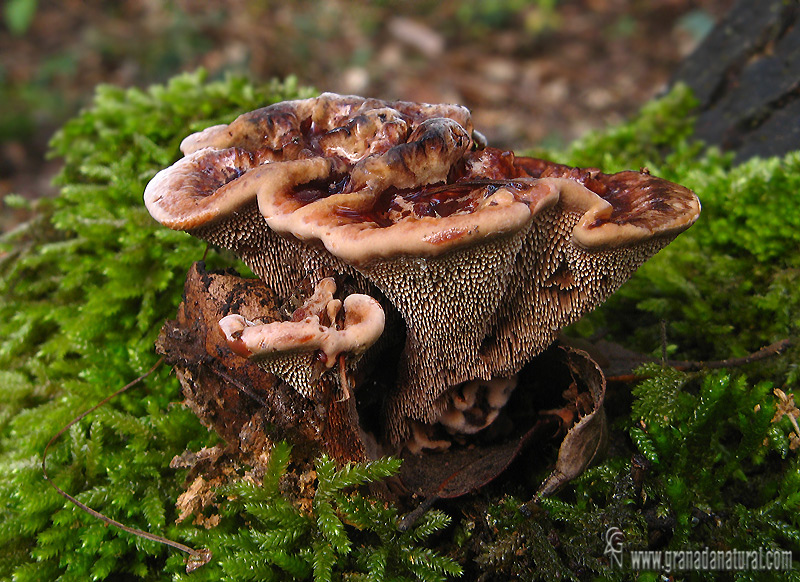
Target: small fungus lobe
320,331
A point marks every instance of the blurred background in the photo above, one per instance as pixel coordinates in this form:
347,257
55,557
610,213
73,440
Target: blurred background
534,72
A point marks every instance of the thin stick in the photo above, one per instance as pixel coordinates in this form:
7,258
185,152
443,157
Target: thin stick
410,518
766,352
693,366
239,385
196,557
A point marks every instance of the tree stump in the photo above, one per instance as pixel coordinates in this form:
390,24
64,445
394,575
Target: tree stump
746,74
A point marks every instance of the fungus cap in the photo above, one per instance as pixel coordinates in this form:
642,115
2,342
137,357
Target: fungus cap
388,184
475,405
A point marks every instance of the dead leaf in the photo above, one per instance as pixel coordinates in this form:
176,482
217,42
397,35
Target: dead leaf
787,407
462,470
588,437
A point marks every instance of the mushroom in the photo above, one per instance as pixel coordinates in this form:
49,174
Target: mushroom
312,342
475,405
483,254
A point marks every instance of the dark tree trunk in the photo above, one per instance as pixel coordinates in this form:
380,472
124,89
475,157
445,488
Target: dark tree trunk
746,74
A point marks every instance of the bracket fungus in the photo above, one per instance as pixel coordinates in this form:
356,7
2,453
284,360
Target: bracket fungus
477,257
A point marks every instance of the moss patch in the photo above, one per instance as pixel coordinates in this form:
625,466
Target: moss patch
697,460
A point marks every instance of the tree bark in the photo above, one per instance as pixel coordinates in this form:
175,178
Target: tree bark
746,74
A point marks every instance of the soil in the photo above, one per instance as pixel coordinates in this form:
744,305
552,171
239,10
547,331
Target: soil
532,75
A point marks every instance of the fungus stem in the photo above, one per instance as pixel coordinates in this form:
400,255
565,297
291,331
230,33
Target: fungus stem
196,558
343,380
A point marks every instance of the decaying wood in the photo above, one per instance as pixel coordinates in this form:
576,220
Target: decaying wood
746,75
248,407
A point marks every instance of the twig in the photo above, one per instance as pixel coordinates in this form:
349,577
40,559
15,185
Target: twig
766,352
246,390
693,366
409,519
196,559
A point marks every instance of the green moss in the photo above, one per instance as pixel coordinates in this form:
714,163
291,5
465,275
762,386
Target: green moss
264,536
87,285
85,289
719,475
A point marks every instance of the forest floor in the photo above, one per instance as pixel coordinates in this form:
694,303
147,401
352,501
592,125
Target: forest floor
533,72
